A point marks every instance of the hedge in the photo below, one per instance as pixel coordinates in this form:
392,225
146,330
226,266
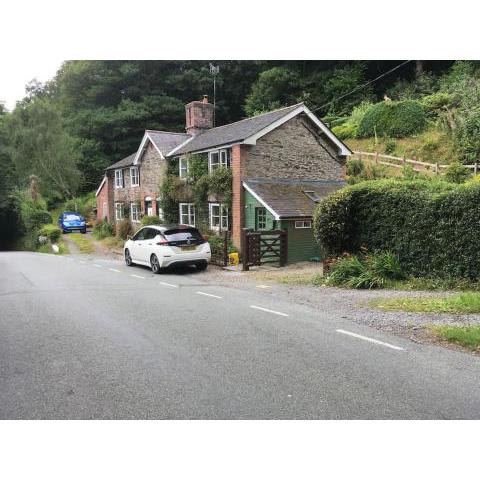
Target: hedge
52,232
393,119
433,227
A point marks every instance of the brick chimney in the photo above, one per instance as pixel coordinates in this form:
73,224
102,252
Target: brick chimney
199,116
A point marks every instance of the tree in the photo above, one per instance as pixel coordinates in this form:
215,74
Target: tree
39,145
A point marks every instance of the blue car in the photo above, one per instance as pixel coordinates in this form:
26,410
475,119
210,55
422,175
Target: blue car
72,222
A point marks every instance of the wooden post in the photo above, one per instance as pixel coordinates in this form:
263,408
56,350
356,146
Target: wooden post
225,248
475,169
245,259
376,158
437,168
404,161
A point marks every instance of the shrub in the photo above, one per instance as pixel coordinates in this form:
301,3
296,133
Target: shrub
456,173
437,102
83,205
125,228
52,232
103,230
390,146
345,131
355,167
393,119
433,226
150,220
371,271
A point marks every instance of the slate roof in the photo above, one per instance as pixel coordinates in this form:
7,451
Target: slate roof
233,132
167,141
286,198
124,162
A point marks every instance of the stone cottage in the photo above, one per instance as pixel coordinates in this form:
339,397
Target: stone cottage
283,162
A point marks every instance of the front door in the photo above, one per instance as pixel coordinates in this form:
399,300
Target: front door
148,207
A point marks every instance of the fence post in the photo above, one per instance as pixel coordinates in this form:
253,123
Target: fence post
437,168
376,158
475,169
283,248
404,161
245,259
225,248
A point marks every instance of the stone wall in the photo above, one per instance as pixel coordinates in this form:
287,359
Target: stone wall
152,169
294,150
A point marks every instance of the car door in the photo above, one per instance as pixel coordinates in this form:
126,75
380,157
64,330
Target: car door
138,245
148,244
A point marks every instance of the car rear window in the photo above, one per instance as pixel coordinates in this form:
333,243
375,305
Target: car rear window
70,217
182,235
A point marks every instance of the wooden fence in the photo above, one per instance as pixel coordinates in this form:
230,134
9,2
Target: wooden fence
417,165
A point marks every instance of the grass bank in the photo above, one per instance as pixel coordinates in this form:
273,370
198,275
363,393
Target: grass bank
463,303
468,337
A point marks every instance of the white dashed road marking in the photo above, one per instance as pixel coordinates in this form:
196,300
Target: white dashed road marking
368,339
114,270
208,294
97,265
269,311
262,286
136,276
168,284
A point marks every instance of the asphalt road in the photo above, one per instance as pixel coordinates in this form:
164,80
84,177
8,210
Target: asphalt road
89,338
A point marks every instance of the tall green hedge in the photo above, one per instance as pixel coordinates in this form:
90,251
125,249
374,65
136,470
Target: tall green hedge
393,119
434,227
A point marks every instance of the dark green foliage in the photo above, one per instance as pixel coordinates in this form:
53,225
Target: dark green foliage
390,146
125,228
103,230
220,184
84,205
33,214
432,226
456,173
393,119
217,244
52,232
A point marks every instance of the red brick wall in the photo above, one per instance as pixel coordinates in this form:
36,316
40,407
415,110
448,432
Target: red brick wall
239,155
104,201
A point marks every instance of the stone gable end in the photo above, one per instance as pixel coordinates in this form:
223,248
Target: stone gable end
294,150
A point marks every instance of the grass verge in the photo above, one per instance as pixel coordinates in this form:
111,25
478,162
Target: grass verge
467,302
113,242
47,248
468,337
83,243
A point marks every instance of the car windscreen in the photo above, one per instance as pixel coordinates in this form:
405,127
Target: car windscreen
180,236
70,217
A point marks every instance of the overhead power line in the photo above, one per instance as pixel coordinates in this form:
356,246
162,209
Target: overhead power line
361,86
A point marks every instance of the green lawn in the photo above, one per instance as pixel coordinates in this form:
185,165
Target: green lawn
468,337
467,302
83,243
47,248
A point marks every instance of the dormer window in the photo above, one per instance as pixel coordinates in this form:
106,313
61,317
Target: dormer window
218,158
134,177
183,167
312,195
119,178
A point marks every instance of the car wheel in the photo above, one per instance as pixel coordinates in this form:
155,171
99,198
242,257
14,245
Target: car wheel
202,266
155,264
84,231
128,258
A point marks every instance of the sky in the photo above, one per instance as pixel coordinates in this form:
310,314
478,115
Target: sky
12,85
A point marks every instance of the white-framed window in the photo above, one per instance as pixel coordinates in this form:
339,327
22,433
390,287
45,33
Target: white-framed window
260,218
118,211
218,158
303,224
135,212
119,178
218,216
183,167
187,214
134,177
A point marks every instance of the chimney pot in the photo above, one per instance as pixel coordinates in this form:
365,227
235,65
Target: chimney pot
205,99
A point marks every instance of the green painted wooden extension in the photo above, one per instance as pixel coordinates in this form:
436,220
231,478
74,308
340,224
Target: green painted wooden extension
301,243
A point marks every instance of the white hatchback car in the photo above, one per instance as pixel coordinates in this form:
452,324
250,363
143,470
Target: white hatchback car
160,246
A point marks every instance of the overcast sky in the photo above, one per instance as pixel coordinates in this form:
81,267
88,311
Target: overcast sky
12,84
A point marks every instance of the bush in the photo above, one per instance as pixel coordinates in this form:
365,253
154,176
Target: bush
456,173
390,146
393,119
437,102
371,271
432,226
103,230
83,205
52,232
125,228
150,220
358,171
345,131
